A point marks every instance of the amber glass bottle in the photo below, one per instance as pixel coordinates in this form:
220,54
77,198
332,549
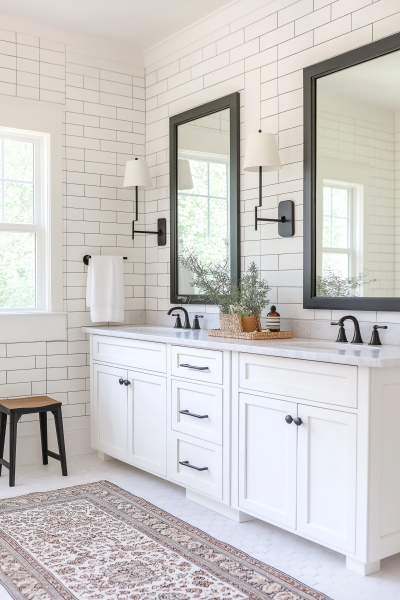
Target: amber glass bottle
273,320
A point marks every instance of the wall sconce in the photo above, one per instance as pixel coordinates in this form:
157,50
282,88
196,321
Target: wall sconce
185,181
262,155
137,175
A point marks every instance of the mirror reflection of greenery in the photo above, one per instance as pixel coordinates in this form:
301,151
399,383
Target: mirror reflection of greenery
17,249
331,284
203,211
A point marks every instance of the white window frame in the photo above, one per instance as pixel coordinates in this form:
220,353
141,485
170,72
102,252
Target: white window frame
40,226
44,119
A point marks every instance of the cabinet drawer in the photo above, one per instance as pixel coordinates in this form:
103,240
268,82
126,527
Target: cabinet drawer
196,364
204,405
306,380
136,354
200,454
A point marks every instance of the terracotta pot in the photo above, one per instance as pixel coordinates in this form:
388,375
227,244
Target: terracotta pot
249,324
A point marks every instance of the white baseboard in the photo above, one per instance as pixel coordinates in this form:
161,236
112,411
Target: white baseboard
29,449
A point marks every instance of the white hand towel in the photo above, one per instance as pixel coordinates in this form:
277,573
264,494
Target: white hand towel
105,289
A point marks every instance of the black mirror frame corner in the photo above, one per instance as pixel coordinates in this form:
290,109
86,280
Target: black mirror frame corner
310,77
232,101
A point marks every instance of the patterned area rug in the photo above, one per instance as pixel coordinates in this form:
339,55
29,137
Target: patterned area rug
99,542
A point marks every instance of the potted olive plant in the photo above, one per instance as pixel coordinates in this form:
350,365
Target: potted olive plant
240,305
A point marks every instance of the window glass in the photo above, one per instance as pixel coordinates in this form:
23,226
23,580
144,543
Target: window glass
336,262
17,269
336,221
206,205
19,229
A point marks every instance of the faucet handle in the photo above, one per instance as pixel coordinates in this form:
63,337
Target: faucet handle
341,333
375,339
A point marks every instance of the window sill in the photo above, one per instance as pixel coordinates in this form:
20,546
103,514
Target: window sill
33,326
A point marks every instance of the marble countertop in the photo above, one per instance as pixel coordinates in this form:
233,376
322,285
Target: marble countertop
302,348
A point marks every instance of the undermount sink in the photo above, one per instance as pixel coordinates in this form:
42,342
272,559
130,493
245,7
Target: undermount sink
324,345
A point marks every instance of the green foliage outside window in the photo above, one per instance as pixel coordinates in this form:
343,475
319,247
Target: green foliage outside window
17,248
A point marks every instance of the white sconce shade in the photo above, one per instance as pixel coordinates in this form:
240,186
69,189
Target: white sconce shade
137,174
261,151
185,181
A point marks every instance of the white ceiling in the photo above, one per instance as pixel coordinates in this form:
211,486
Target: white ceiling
139,24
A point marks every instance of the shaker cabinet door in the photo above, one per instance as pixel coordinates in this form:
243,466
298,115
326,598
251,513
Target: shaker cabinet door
147,422
267,458
109,411
326,477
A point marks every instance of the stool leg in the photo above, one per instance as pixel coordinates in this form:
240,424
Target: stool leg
60,439
3,424
13,447
43,436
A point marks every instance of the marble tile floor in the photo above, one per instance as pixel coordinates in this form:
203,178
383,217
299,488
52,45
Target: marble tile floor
315,565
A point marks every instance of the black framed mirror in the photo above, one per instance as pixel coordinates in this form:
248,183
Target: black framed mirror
204,189
352,180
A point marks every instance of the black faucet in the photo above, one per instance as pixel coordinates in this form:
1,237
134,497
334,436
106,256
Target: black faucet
186,324
357,339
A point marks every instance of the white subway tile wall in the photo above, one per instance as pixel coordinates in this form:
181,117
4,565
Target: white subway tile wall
104,127
261,55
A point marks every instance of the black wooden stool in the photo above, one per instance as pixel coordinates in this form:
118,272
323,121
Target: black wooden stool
24,406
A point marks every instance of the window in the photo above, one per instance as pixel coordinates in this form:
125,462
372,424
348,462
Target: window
337,230
205,204
22,223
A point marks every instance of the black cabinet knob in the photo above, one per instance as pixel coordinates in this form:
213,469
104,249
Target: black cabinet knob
297,421
126,382
289,419
121,381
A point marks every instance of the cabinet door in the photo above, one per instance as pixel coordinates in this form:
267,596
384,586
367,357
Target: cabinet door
147,422
267,458
326,476
110,411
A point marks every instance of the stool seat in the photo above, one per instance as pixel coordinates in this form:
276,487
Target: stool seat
15,408
21,403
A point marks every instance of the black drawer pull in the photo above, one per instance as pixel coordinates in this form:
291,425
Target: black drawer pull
186,463
186,412
196,368
124,382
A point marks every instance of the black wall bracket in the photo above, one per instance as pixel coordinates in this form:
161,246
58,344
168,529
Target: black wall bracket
285,218
161,231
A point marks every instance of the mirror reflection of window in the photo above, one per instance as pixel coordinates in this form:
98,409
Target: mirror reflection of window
203,190
358,177
336,237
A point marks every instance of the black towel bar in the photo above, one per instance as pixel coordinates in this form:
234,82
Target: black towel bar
87,256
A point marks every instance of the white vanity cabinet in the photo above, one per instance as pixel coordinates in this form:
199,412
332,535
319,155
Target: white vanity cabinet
147,422
267,459
109,410
303,477
256,430
129,407
327,476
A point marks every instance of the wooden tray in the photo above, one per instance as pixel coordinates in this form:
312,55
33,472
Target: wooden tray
254,335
